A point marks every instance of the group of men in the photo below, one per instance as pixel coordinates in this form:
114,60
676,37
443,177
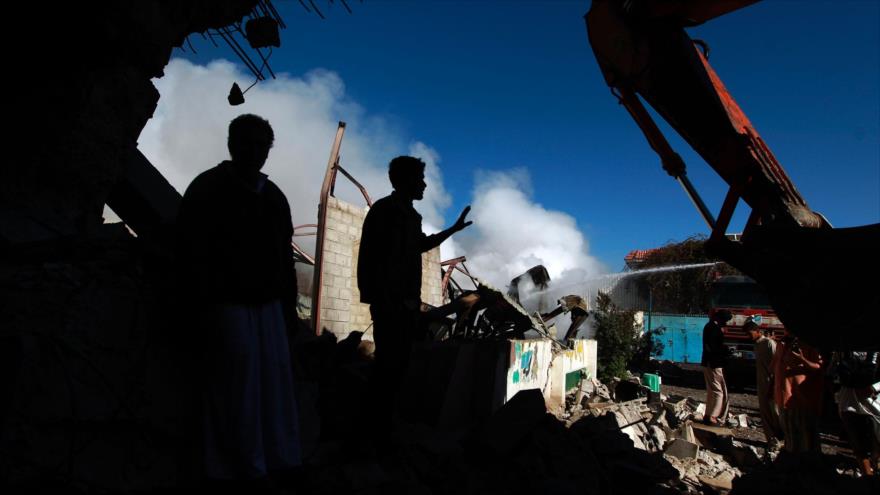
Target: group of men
235,232
791,378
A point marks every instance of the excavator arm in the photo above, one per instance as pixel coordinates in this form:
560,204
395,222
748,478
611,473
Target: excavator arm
803,263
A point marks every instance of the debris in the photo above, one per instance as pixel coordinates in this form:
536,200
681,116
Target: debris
626,391
659,436
708,436
682,449
514,421
723,481
799,474
744,455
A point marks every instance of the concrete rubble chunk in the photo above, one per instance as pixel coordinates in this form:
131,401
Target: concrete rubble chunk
627,390
514,421
711,436
743,455
659,436
723,481
682,449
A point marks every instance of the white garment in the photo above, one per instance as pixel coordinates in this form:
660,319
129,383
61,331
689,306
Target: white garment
849,401
251,423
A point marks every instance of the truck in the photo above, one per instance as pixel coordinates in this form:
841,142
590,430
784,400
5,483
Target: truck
745,299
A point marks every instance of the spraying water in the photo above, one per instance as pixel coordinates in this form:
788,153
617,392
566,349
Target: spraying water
589,287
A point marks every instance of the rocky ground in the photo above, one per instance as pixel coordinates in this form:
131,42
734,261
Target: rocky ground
688,383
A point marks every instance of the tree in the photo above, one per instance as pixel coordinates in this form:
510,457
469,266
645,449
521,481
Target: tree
683,291
616,338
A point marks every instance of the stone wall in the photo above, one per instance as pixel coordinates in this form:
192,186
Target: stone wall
341,310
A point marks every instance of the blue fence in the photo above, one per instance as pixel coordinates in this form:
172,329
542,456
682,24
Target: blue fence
682,337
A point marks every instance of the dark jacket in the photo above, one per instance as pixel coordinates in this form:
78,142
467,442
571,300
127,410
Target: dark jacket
235,242
389,270
714,350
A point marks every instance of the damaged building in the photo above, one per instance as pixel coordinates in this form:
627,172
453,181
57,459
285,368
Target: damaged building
100,358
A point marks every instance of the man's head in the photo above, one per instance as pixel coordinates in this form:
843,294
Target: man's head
753,329
250,139
407,175
722,316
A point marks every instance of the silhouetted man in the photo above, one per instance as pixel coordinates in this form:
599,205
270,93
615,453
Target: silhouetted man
235,247
765,348
714,360
390,276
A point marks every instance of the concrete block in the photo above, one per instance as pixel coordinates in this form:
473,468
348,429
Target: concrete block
338,271
711,436
143,198
682,449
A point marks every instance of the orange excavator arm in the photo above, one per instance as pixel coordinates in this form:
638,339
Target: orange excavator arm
646,55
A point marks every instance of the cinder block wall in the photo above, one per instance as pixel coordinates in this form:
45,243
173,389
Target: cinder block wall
341,311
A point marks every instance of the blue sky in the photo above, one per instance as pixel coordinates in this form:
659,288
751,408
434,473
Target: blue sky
498,85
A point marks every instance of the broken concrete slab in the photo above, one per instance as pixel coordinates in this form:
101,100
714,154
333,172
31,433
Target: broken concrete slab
514,421
659,436
710,436
743,455
722,482
682,449
143,198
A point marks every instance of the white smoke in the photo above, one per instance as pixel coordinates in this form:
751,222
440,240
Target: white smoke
187,135
512,233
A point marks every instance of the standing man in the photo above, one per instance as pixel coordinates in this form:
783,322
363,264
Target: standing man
389,276
714,360
858,374
765,348
235,251
798,382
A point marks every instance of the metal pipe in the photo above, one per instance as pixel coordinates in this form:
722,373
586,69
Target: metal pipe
697,200
329,177
358,184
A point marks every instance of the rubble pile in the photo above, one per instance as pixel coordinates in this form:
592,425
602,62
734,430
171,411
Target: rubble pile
802,474
596,446
99,371
704,458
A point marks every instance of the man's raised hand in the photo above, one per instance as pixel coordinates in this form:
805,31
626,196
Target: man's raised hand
460,224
